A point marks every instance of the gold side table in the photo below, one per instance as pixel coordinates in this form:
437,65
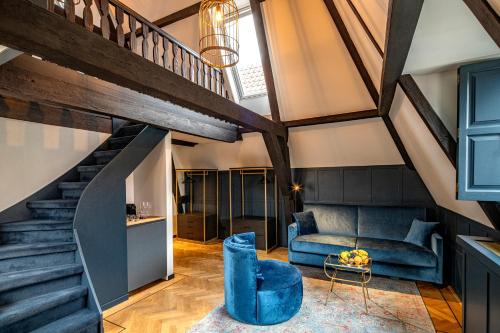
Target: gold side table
364,271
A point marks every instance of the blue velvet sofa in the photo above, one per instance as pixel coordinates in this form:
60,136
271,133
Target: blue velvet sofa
379,230
258,292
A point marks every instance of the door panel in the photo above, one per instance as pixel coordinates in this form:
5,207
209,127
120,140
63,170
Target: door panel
479,132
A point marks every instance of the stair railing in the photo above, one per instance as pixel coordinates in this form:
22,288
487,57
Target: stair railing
156,45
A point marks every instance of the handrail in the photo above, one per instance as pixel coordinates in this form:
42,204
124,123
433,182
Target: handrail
175,56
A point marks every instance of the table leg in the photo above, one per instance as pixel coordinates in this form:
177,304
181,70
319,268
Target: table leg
332,283
363,287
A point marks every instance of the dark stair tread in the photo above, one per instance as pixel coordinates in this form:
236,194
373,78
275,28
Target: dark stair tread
102,153
12,280
54,203
26,308
75,322
72,185
90,168
36,225
24,250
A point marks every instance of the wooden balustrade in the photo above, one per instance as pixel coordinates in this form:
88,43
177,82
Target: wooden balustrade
157,45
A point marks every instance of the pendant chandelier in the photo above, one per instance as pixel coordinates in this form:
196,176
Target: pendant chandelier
219,43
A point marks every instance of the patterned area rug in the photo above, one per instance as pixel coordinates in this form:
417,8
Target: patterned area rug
395,306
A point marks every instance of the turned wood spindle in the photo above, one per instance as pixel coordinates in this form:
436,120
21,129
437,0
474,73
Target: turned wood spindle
88,19
69,10
104,18
155,47
145,42
133,30
120,36
165,52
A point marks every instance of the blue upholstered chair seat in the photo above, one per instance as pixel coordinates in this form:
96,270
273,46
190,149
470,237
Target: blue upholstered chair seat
278,275
258,292
323,243
280,292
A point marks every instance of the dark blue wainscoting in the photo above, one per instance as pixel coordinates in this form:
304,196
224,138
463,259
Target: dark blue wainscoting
453,224
388,185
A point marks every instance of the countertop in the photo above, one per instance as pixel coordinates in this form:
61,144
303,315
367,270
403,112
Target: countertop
150,219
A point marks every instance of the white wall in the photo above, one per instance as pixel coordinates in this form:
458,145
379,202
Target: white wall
33,155
152,181
440,89
355,143
315,146
433,166
249,152
447,34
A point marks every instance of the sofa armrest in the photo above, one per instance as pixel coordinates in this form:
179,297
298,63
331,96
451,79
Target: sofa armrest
437,244
293,232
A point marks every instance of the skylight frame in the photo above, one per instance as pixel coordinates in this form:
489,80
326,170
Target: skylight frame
244,12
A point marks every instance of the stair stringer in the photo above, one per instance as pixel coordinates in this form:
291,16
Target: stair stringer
100,220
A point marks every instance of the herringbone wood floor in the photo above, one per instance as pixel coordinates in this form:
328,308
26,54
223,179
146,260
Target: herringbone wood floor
198,287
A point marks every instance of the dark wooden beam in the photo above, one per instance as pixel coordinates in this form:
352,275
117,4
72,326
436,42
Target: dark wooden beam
487,16
356,58
258,20
276,146
172,18
365,28
25,27
334,118
31,79
429,116
401,24
34,112
278,153
398,142
178,142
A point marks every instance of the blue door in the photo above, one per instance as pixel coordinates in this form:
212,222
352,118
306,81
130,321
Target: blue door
479,132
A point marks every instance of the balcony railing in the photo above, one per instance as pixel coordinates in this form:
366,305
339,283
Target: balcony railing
122,25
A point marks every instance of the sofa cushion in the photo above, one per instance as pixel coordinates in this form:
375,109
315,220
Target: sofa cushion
420,233
397,252
323,244
387,222
306,223
335,219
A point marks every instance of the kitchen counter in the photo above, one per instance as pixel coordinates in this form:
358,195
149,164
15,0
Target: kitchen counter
147,251
150,219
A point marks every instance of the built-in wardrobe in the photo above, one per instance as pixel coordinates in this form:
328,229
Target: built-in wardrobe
253,204
197,204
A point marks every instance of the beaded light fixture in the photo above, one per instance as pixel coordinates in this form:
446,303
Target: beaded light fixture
219,43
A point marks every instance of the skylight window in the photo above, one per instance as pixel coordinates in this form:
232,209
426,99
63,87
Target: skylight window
248,73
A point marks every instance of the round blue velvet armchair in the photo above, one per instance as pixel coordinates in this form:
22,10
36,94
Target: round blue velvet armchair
258,292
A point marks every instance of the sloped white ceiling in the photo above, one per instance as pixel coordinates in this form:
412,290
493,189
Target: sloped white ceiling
447,35
313,71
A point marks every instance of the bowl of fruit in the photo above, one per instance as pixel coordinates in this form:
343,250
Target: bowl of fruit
354,258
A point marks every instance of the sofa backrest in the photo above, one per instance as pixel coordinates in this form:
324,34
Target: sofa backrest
387,222
335,219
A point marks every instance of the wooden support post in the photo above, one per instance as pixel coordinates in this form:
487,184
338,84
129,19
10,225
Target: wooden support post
401,24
